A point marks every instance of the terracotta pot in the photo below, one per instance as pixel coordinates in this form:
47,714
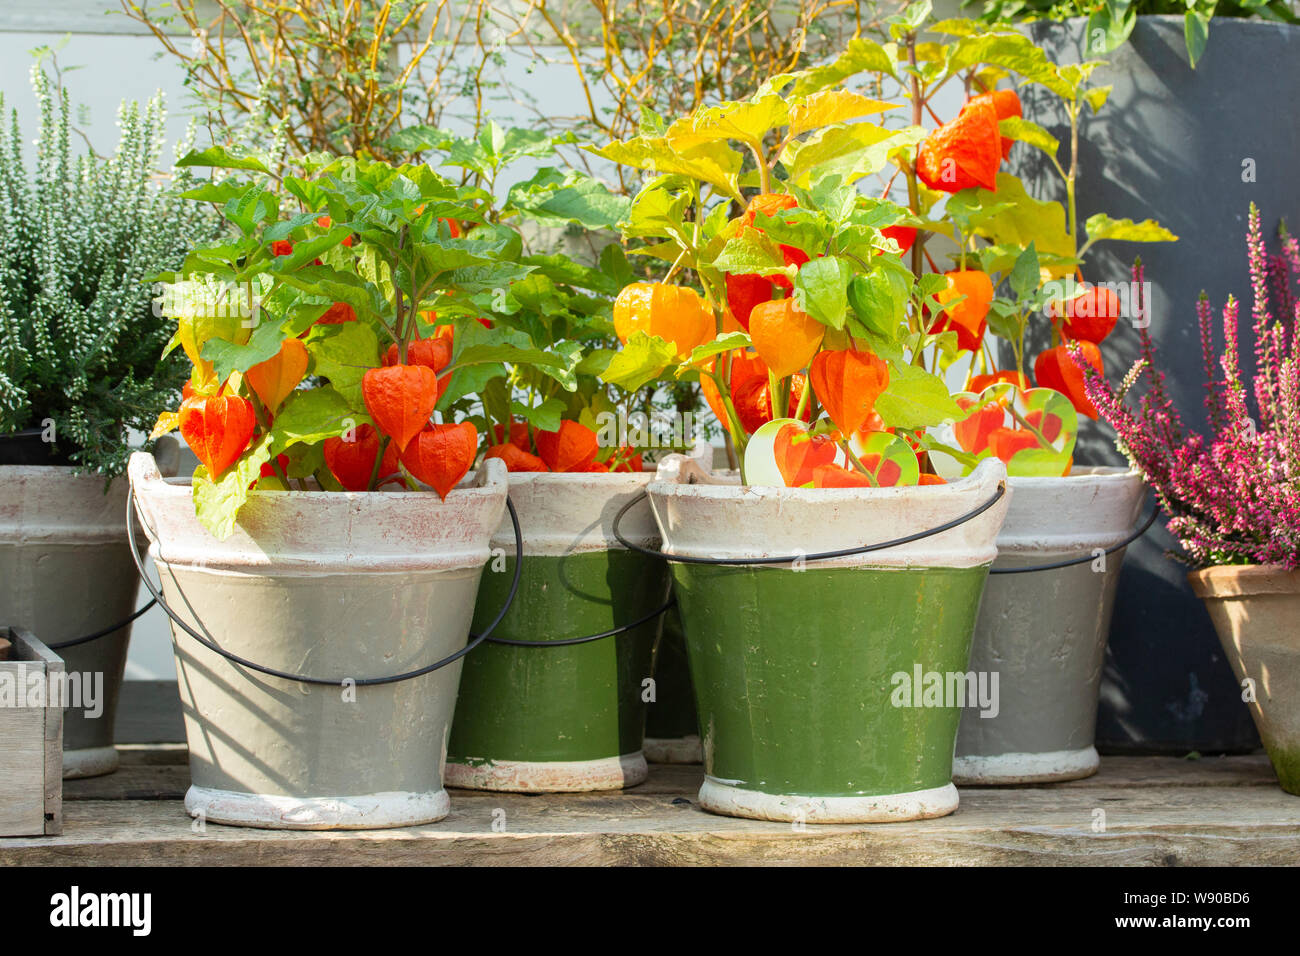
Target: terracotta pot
1256,610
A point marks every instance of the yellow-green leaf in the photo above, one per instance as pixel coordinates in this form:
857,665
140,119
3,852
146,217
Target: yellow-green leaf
748,121
217,504
1025,220
850,151
1097,96
832,106
167,422
1101,227
641,360
714,163
861,55
1028,132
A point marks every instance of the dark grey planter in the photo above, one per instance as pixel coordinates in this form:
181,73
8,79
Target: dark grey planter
1170,145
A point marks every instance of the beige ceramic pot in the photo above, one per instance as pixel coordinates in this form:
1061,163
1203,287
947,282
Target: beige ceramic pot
1256,610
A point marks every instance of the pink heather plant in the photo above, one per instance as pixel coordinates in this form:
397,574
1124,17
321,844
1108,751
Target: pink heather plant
1234,497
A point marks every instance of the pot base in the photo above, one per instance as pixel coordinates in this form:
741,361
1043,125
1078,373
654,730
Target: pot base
673,750
549,776
367,811
725,799
1025,767
89,762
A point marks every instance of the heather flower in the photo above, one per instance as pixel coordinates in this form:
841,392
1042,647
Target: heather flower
1232,496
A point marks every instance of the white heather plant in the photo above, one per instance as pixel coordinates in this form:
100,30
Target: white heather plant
80,237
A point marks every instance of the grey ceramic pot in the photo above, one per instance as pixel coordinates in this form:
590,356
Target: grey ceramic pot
66,572
331,585
1042,634
1191,149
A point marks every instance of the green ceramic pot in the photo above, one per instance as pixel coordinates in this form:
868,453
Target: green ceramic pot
564,718
815,682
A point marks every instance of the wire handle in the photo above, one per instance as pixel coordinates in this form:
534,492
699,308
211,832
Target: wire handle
570,641
104,632
1084,559
822,556
329,681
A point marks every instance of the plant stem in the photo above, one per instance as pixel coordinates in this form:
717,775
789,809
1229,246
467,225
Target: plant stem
858,463
379,458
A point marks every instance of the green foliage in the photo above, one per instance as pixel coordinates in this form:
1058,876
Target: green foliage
1111,22
80,237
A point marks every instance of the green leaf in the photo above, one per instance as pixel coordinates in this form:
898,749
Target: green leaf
1023,219
219,193
1196,33
878,300
544,417
217,504
915,399
569,355
1013,52
614,264
656,212
560,198
861,56
832,106
311,416
1101,227
595,362
417,139
1108,30
723,343
848,152
227,357
220,157
751,252
343,353
823,285
1025,276
491,354
713,162
641,360
1031,133
748,121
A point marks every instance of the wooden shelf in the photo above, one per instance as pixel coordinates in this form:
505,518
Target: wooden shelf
1158,811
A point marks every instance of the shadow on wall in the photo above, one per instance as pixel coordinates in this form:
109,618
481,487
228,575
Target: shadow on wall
1191,149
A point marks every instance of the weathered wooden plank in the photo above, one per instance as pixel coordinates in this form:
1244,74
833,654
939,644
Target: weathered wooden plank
1183,826
1166,825
160,773
166,782
1146,811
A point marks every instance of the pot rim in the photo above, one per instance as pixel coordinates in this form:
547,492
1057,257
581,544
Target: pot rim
1081,474
720,486
696,514
562,513
1243,580
323,532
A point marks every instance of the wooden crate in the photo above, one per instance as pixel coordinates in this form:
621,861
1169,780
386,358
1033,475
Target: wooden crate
31,741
